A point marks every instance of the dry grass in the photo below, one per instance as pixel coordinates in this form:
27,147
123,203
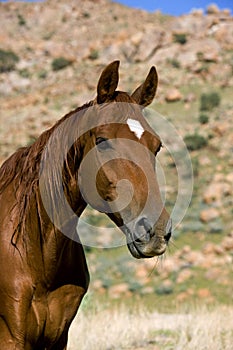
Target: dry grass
118,329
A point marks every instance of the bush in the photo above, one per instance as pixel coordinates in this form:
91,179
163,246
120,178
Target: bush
196,166
21,20
8,60
195,142
42,74
60,63
94,54
203,118
174,62
164,290
24,73
209,101
180,38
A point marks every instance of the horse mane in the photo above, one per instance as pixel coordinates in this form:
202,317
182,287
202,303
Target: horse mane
23,167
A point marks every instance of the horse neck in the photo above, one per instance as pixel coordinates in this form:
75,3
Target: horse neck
28,167
60,166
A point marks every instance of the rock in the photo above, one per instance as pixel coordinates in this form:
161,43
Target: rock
194,258
209,214
165,53
204,160
181,297
191,97
220,128
188,57
98,286
184,275
224,34
148,43
165,288
212,9
216,226
147,290
213,273
110,52
142,272
204,293
211,56
18,83
227,243
226,12
119,289
208,249
173,95
229,179
216,192
192,226
185,295
219,250
197,12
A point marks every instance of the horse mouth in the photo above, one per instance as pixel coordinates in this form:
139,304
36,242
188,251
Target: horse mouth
136,253
144,250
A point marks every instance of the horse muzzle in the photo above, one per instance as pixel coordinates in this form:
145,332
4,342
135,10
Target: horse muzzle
145,240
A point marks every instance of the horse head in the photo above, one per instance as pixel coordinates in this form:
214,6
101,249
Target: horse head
117,175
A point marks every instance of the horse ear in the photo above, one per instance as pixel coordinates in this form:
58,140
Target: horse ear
108,82
145,93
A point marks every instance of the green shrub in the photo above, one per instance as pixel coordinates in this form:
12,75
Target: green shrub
24,73
86,15
174,62
209,101
195,142
60,63
42,74
134,286
164,290
21,20
180,38
204,68
94,54
203,118
196,166
200,56
8,60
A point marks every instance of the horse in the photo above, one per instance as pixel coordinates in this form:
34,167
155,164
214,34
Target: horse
44,274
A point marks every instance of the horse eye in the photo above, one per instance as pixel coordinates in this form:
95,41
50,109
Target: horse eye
102,143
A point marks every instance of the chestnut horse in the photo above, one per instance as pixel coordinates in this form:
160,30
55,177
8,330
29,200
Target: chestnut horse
44,275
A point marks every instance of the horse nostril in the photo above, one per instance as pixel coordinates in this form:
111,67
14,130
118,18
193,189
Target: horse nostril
167,236
143,230
168,231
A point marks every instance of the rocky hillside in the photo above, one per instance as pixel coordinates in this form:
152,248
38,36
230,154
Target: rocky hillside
88,34
51,54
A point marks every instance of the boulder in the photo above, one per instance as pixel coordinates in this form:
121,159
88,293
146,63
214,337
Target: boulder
184,275
204,293
209,214
215,192
212,9
117,290
173,95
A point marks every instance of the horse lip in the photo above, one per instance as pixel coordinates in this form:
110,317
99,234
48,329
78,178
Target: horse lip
136,252
134,247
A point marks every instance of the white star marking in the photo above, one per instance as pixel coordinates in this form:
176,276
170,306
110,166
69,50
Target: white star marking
136,127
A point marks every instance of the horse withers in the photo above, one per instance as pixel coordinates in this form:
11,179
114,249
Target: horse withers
108,161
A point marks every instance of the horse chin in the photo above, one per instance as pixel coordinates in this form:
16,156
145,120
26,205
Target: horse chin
135,252
140,251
